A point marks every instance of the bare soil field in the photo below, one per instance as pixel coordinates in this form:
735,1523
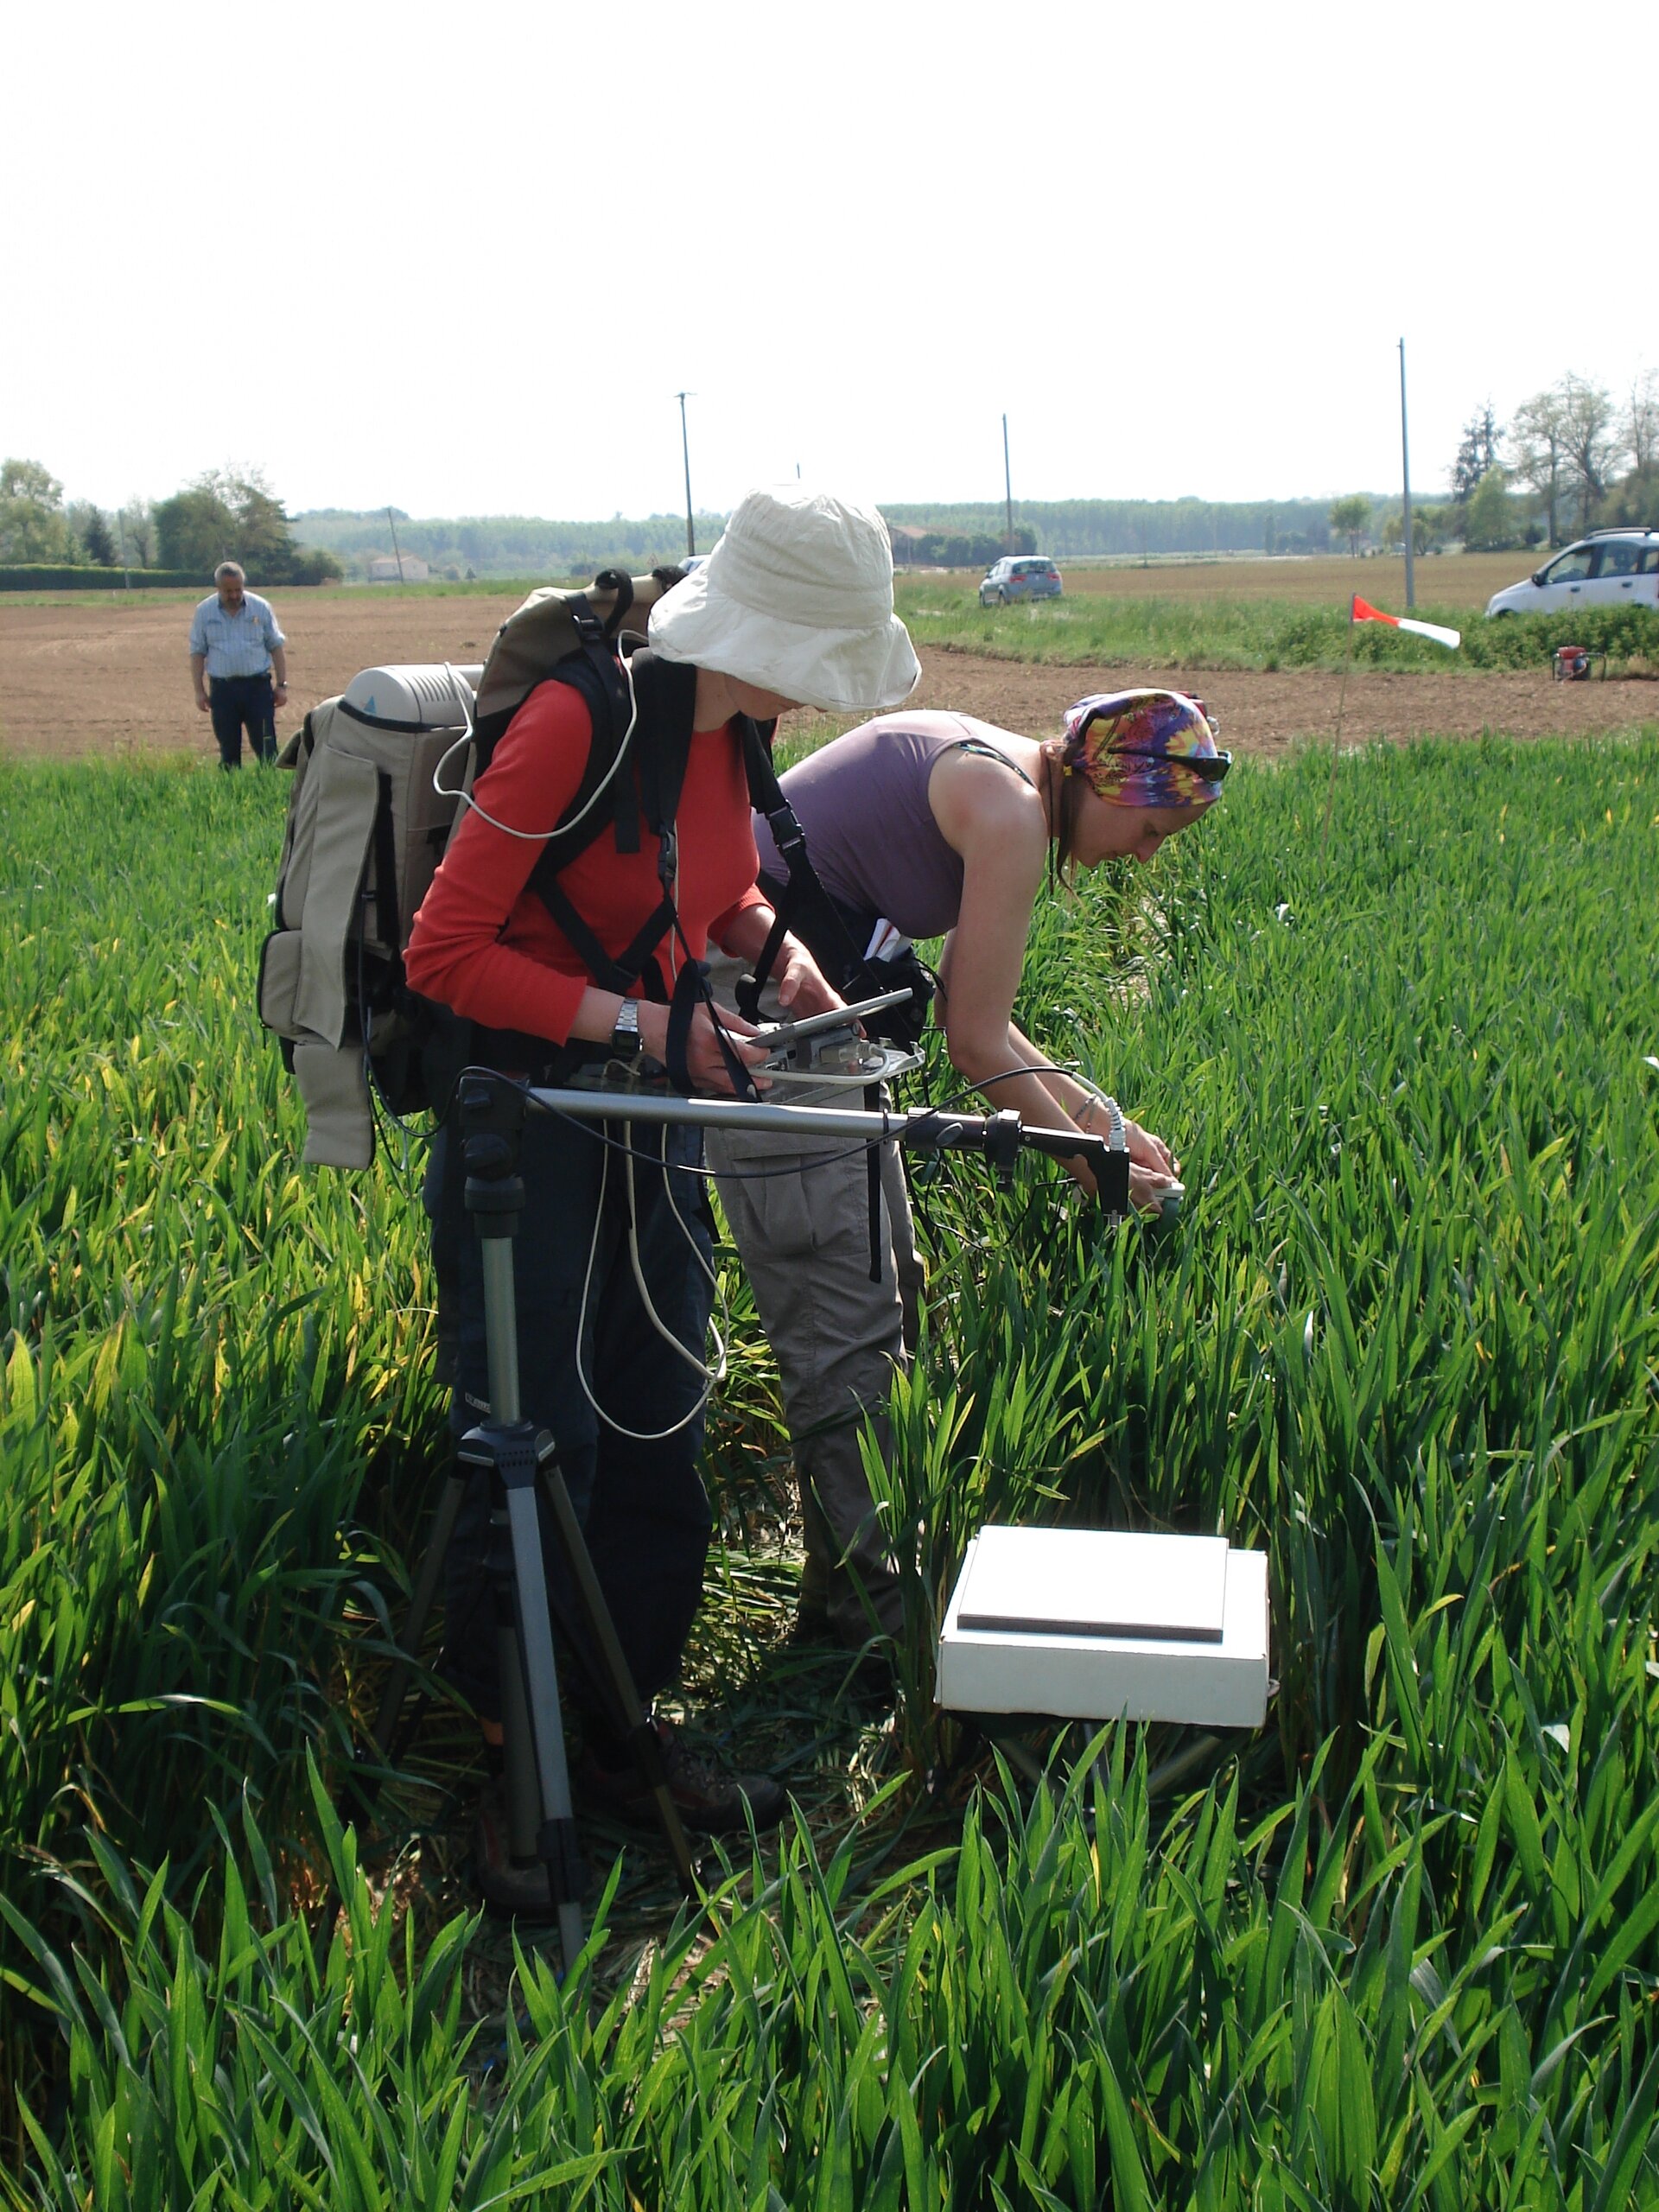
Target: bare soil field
84,677
1263,712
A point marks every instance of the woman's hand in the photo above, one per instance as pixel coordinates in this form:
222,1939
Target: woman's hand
803,988
797,976
801,985
1154,1170
1149,1188
703,1059
1149,1153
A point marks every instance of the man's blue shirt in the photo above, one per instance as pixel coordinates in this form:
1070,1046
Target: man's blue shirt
239,644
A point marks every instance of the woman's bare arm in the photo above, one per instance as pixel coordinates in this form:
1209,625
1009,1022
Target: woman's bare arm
997,826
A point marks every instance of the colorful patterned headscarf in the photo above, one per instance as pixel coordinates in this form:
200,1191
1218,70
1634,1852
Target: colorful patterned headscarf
1145,748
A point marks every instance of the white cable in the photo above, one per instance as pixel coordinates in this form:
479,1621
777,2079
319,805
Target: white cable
1118,1137
858,1081
713,1374
463,691
537,837
710,1375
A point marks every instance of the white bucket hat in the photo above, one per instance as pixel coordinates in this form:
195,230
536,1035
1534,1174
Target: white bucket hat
797,597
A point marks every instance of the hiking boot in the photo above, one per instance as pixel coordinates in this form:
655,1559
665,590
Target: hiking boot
706,1798
513,1888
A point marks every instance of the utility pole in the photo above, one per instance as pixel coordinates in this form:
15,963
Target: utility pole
1008,482
126,572
1405,478
397,553
685,454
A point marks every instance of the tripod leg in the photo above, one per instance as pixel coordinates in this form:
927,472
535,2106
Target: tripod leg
557,1841
642,1737
420,1610
523,1798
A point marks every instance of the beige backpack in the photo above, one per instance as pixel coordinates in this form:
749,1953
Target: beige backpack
380,773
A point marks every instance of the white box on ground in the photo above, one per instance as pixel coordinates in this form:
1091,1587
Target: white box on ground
1102,1624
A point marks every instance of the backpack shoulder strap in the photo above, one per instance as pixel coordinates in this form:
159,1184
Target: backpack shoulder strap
806,906
658,726
665,699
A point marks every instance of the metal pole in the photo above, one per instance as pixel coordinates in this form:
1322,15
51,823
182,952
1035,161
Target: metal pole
504,1446
685,454
998,1136
395,552
1008,482
126,572
1405,478
806,1123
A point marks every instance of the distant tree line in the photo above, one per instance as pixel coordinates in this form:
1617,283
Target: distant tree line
223,515
1572,458
944,534
505,545
915,545
1132,529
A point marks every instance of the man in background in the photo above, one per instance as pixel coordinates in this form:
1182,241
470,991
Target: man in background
236,650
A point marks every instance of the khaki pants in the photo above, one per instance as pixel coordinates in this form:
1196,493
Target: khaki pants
803,1232
802,1229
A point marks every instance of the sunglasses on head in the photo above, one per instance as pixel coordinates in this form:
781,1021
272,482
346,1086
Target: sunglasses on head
1211,767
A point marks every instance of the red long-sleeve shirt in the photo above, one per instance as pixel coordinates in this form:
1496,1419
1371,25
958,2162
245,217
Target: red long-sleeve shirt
487,947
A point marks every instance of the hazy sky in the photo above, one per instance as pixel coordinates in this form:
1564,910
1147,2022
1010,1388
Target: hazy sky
462,258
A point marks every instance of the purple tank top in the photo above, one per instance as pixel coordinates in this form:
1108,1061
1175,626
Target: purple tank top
862,802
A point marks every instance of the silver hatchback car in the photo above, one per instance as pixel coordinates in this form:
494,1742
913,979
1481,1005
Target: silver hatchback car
1026,575
1611,567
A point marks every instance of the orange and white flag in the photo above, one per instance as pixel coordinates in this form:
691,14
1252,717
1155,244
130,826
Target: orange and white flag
1362,611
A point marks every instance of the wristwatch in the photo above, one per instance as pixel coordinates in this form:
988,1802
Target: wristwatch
626,1042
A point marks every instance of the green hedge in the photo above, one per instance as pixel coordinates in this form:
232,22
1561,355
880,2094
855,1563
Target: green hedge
54,576
1528,640
1318,636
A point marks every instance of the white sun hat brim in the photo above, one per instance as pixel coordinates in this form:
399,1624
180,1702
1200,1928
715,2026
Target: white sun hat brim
797,597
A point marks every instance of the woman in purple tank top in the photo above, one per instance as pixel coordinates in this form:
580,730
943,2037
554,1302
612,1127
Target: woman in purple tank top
944,827
936,825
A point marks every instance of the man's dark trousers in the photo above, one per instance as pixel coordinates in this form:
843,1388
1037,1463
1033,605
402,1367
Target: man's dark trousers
234,701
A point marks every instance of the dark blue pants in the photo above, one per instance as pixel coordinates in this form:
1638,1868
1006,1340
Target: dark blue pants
235,701
641,1504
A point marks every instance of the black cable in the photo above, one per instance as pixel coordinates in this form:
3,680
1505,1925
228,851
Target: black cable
1007,1075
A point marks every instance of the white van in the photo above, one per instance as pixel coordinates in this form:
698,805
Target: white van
1611,567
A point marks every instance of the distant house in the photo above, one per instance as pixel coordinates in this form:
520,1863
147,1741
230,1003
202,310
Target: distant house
383,569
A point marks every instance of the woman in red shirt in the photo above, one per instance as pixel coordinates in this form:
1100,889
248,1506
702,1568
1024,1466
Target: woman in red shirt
613,1268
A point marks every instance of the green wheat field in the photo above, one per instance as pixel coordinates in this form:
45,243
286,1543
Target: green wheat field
1401,1948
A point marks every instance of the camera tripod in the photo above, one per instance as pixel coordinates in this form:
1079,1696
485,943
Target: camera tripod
521,1462
522,1466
